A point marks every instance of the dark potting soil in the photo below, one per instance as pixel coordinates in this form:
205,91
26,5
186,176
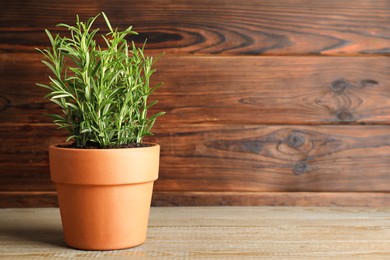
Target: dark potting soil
96,146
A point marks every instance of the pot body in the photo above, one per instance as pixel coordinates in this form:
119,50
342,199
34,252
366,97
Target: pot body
104,195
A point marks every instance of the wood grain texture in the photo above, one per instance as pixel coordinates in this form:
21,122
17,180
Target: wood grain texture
234,90
28,199
24,199
215,233
302,199
275,90
275,158
232,158
215,27
24,156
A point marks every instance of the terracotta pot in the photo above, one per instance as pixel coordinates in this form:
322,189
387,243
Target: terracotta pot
104,194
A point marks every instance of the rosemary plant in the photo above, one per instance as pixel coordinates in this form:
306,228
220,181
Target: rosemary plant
102,91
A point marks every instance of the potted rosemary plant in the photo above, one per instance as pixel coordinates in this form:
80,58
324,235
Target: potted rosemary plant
104,177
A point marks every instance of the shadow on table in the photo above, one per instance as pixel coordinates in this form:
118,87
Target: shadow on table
33,233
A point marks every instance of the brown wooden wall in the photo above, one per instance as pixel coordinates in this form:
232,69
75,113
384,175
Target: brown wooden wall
268,102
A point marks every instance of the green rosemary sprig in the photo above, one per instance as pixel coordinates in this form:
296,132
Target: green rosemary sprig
102,91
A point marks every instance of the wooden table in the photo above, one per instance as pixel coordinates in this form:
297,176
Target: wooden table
215,232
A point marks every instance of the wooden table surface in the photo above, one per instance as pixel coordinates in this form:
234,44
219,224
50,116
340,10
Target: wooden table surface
215,232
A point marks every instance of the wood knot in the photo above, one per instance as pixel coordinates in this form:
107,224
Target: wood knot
344,115
295,140
4,103
300,167
338,86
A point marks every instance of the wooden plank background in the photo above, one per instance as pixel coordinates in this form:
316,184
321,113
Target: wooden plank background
268,102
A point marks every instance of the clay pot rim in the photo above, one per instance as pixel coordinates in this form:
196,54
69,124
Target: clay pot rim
90,166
